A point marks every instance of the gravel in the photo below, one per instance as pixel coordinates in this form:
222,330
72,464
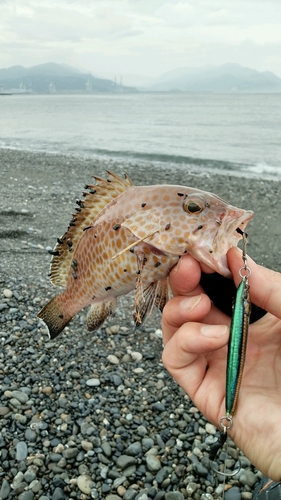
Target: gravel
96,415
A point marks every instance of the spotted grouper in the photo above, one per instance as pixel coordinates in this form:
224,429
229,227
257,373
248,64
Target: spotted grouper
125,237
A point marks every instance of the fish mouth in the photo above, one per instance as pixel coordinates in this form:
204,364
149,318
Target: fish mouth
229,234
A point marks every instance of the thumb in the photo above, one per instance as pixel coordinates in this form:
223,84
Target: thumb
265,284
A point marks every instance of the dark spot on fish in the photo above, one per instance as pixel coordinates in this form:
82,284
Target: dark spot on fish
138,272
78,210
144,260
92,191
95,236
185,251
69,243
107,288
125,270
211,251
116,227
239,231
80,203
74,264
86,186
60,241
88,227
143,205
108,180
167,226
72,222
61,316
74,274
180,194
132,250
157,264
53,252
198,227
93,297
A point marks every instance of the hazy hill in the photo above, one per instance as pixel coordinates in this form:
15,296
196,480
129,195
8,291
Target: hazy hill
225,78
52,77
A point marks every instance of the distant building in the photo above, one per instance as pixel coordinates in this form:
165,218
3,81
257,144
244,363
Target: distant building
52,88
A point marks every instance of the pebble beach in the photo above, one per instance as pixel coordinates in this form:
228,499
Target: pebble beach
96,415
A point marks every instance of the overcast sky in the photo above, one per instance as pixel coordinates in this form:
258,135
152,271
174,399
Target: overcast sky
146,37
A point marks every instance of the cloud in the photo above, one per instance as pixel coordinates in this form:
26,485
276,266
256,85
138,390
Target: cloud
158,34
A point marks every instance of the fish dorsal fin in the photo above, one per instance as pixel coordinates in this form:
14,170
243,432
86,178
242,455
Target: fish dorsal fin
95,200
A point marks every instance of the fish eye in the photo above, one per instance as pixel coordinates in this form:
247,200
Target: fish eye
195,204
194,207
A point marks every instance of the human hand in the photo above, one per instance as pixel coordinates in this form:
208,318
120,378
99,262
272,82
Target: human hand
195,335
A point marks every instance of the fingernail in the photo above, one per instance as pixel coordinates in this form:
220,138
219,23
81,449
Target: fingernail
214,331
189,303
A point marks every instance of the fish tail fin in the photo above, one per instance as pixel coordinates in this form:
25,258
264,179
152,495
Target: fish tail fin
98,313
54,316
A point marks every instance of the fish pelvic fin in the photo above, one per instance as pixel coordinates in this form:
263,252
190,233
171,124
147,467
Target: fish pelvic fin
163,294
54,317
98,313
97,197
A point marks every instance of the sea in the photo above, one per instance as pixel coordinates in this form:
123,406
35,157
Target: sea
237,134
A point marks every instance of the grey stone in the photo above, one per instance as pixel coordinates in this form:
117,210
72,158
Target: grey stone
93,382
5,490
70,453
106,448
26,495
174,495
153,464
134,449
21,451
20,396
233,494
247,477
124,461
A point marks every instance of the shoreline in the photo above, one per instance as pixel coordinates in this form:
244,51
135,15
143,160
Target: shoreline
46,186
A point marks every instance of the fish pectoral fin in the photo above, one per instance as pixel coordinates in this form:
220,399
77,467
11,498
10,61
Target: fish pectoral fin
143,224
98,313
54,317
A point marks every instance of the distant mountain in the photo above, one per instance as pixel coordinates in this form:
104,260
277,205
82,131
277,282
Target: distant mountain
52,78
225,78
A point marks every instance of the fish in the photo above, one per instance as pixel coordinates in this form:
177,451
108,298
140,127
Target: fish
125,237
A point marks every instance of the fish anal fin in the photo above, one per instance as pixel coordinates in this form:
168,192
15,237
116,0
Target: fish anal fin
98,313
95,200
54,317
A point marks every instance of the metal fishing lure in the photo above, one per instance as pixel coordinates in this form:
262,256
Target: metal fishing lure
236,353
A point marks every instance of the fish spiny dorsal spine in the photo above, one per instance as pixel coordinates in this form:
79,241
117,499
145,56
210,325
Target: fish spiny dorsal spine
96,199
